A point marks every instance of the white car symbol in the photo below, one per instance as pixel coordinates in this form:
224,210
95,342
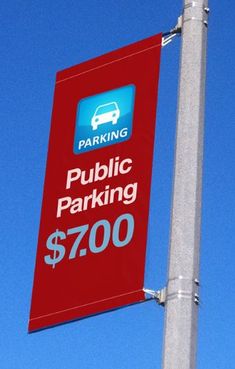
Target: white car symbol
104,114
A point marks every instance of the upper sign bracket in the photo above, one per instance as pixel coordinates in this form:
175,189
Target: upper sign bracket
169,36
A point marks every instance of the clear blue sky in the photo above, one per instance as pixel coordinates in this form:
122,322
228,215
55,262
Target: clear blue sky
39,38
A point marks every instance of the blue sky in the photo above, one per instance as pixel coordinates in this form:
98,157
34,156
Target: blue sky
39,38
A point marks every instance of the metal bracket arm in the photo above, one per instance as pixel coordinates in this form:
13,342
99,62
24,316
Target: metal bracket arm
159,296
167,37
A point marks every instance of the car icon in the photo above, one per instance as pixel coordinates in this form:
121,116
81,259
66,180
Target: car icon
104,114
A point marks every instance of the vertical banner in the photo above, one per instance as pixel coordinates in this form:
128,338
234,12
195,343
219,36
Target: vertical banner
94,219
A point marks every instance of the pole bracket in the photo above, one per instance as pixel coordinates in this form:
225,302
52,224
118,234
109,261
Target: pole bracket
159,295
167,37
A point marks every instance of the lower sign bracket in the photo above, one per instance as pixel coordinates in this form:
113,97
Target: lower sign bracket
159,295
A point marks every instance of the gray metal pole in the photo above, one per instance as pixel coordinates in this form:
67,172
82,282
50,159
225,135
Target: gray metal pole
181,308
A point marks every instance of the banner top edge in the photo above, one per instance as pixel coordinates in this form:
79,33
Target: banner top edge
110,57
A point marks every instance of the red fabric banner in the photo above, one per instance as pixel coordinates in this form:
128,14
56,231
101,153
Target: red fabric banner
94,219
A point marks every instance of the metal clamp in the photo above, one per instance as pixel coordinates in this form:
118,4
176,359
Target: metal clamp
159,296
201,18
183,288
194,4
205,22
181,291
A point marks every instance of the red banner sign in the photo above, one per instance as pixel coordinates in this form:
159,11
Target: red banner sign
93,231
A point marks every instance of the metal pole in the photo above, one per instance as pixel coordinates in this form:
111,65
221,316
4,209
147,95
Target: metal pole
181,307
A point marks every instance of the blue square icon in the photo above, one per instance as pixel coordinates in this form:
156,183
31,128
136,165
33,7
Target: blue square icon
104,119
